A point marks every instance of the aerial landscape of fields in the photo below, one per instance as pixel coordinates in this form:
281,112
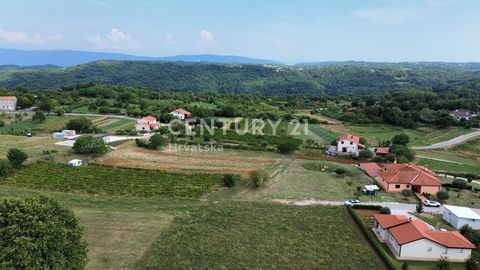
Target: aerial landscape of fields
138,136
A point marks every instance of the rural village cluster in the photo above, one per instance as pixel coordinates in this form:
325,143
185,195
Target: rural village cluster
407,236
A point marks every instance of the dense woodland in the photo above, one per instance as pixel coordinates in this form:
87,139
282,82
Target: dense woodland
312,81
405,95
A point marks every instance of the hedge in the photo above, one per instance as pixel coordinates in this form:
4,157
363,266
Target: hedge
367,232
367,206
449,185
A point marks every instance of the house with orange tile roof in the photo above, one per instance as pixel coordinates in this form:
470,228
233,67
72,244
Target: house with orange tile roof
397,177
8,103
349,144
413,239
147,124
181,114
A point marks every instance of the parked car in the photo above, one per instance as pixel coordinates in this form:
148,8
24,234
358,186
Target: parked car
431,203
352,202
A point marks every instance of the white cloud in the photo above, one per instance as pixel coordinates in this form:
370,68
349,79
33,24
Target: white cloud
170,40
117,35
19,37
116,39
277,42
207,37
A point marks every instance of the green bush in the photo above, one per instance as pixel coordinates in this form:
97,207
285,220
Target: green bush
5,168
259,178
401,139
80,125
39,233
459,183
385,210
442,195
229,180
157,141
89,145
16,157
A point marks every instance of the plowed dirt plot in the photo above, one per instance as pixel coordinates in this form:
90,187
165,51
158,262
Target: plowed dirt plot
226,161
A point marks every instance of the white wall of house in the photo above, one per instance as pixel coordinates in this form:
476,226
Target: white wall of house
392,244
8,105
381,232
347,147
178,115
142,127
425,249
458,222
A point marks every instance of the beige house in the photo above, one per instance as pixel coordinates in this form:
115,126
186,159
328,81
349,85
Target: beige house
147,123
8,103
415,240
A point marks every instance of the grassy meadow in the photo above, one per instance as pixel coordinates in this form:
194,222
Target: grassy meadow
261,236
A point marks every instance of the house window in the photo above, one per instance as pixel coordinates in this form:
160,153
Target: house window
397,186
351,143
408,186
429,249
343,142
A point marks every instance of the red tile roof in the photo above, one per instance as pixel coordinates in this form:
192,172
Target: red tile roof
387,221
154,124
8,98
409,174
382,150
352,138
149,118
371,168
409,231
182,111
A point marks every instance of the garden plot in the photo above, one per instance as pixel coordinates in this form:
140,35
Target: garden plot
217,162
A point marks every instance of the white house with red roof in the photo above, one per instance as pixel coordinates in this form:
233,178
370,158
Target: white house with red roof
181,114
8,103
147,123
349,144
415,240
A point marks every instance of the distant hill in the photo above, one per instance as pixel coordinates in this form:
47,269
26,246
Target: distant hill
72,58
333,79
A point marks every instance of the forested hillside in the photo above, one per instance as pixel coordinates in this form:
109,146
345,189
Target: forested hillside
317,80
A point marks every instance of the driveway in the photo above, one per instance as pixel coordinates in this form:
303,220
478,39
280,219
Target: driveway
395,207
451,142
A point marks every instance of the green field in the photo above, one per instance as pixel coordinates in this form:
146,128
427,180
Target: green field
33,146
418,137
55,123
437,165
105,180
261,236
293,181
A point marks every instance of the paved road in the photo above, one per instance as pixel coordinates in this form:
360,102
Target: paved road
451,142
395,207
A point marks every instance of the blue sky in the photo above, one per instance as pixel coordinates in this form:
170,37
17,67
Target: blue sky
288,31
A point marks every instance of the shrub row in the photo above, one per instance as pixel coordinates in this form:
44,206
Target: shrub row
368,234
367,207
449,185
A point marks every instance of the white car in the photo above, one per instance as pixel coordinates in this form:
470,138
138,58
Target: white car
431,203
352,202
